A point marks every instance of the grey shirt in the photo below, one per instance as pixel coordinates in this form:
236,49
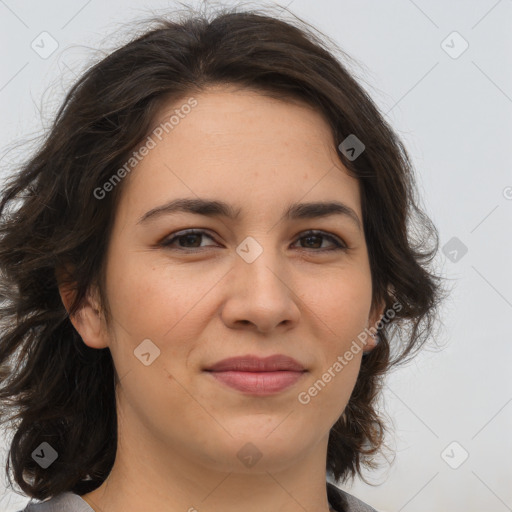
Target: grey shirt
339,500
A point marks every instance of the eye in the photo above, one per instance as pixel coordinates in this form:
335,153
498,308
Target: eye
190,236
191,239
312,235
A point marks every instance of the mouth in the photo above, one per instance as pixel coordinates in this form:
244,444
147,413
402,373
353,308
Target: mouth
258,383
251,363
258,376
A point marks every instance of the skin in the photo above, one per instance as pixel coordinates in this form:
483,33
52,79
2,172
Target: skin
179,429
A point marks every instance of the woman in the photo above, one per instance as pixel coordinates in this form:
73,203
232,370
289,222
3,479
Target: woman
208,275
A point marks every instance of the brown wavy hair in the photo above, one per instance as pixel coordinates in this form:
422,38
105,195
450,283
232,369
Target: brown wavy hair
56,389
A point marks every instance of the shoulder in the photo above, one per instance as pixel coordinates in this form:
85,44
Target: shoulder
64,502
342,501
70,502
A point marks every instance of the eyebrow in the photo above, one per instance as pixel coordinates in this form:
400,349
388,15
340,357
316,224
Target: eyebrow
215,208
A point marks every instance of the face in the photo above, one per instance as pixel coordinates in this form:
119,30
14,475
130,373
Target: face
256,284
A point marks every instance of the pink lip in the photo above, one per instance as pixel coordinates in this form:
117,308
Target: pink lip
258,383
258,376
250,363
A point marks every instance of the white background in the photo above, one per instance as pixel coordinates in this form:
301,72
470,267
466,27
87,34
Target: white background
455,116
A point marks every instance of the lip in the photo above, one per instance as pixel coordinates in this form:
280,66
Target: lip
258,376
258,383
251,363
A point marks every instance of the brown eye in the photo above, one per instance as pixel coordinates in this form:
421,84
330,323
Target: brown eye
191,237
315,238
191,240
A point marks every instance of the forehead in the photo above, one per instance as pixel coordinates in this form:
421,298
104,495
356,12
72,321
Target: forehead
231,115
240,144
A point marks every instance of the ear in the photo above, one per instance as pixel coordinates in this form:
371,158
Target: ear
376,313
88,320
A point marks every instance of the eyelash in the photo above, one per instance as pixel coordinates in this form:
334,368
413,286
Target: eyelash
311,233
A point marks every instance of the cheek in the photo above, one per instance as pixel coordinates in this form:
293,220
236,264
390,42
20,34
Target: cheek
342,301
154,298
149,302
167,304
342,306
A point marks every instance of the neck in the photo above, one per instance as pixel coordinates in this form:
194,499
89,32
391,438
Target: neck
150,474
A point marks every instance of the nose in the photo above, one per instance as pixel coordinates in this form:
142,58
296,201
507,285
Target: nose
261,295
